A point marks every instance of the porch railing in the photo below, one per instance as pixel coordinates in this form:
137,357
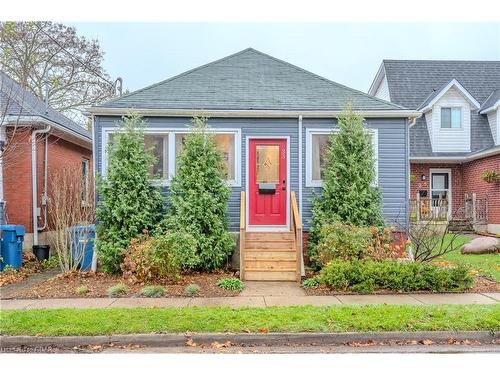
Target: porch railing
296,228
242,233
429,209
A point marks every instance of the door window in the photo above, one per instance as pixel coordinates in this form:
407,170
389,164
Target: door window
268,161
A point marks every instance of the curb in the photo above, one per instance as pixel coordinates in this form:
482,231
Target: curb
268,339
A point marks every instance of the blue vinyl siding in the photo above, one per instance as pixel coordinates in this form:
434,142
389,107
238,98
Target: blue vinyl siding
392,144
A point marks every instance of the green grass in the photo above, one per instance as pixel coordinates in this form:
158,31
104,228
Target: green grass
484,264
63,322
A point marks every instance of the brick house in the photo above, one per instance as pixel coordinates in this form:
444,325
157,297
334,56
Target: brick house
455,141
34,138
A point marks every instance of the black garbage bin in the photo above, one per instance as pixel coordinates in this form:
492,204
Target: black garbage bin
42,252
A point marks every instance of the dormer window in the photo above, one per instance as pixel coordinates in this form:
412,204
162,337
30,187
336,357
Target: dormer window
451,118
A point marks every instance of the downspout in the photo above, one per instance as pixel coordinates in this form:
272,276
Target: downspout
44,195
302,271
34,180
3,138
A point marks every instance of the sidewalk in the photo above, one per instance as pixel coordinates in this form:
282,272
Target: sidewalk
255,301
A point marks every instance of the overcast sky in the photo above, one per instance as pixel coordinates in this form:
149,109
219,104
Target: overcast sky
145,53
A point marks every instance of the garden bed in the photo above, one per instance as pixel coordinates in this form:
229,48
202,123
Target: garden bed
96,284
30,266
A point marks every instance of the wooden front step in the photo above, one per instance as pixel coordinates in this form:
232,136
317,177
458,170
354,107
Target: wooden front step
270,256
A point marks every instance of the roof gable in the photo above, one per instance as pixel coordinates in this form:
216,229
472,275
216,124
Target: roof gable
438,94
492,102
249,80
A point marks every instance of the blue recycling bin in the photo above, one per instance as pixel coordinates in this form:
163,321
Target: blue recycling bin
82,245
12,238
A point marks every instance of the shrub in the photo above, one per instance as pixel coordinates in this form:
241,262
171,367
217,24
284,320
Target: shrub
199,196
311,283
346,242
365,276
348,193
192,289
128,203
152,291
81,290
341,241
161,257
231,284
117,290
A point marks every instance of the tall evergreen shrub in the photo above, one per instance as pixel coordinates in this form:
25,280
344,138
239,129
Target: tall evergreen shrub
199,195
349,194
128,203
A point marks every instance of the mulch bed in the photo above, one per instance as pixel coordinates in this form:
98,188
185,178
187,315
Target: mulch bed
65,285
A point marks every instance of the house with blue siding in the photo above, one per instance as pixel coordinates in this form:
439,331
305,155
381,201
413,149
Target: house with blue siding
271,121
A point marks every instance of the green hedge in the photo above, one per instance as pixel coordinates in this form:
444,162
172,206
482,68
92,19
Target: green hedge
365,276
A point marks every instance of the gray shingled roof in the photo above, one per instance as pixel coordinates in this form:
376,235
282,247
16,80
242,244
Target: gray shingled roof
16,101
492,99
414,82
249,80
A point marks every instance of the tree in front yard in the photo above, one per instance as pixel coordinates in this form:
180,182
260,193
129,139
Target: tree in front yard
128,203
199,197
349,194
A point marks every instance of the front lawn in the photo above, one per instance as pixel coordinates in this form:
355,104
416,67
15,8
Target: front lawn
62,322
483,264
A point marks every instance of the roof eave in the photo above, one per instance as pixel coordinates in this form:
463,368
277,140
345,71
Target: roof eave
456,159
492,108
158,112
444,90
378,79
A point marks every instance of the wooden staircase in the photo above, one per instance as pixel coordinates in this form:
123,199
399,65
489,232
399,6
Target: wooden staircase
271,256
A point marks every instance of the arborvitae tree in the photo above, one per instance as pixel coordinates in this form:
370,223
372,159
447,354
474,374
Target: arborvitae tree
349,194
128,203
199,195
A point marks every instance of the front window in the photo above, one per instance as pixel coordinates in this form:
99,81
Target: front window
320,144
157,144
225,143
451,118
317,145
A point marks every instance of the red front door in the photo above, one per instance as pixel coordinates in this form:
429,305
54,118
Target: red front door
267,182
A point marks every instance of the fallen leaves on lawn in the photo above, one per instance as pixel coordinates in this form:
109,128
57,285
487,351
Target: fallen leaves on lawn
263,330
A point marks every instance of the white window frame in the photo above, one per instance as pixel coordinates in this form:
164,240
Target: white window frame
171,132
309,134
451,110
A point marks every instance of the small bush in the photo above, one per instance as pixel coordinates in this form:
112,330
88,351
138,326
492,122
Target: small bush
311,283
82,290
117,290
231,284
161,257
341,241
365,276
152,291
192,290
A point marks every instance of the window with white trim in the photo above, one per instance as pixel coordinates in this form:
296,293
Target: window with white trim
451,117
317,143
167,144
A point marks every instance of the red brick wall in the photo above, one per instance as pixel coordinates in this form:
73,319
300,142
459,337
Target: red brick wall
418,170
17,171
473,183
466,179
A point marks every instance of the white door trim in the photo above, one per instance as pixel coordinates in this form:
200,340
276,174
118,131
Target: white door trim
267,228
450,193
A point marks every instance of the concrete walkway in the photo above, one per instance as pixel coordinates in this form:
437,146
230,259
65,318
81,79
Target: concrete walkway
255,301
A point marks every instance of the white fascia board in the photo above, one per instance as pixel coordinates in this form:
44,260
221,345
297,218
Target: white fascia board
378,78
401,113
452,83
455,159
494,107
29,120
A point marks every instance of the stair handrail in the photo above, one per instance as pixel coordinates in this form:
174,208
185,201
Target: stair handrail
296,226
242,232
